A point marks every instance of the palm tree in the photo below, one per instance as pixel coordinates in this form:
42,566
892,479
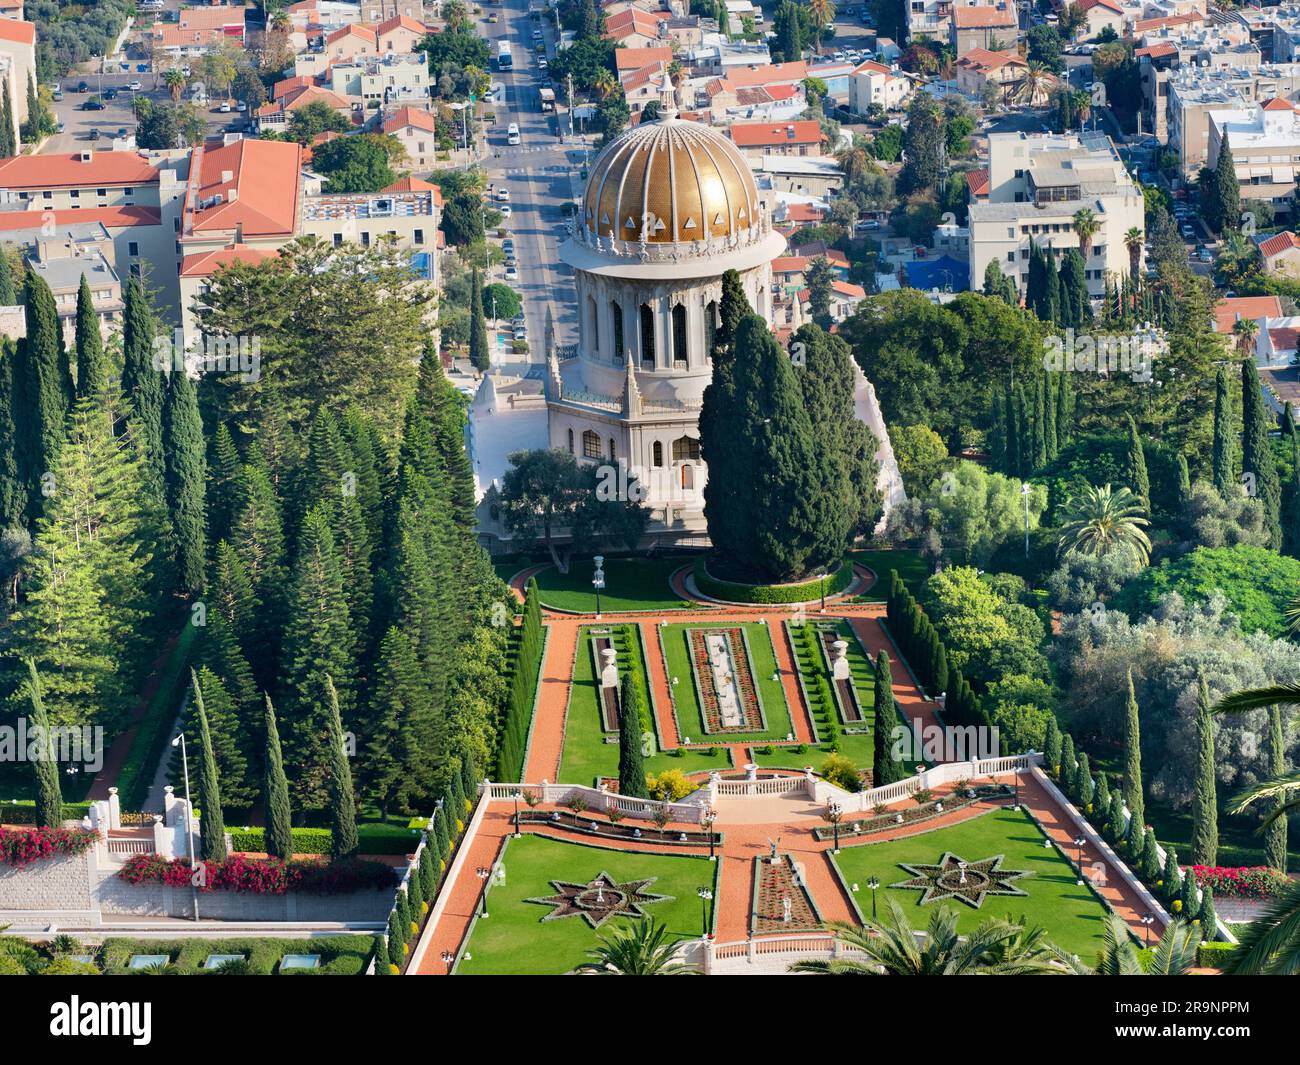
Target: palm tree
1081,104
1030,88
823,14
638,949
889,947
1086,225
1105,519
1133,242
604,84
1174,955
175,82
1245,330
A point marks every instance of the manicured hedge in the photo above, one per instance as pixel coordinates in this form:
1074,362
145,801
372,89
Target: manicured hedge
343,955
23,812
1214,955
764,594
374,839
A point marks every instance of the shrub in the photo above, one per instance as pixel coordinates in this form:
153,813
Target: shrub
669,786
841,772
268,876
1212,955
22,846
802,592
1246,882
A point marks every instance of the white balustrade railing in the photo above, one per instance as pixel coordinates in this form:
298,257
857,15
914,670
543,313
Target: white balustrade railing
598,800
936,776
781,785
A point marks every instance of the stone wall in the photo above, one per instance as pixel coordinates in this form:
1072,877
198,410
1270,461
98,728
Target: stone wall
62,883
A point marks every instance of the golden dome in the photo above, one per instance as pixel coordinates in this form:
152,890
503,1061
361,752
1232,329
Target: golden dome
667,182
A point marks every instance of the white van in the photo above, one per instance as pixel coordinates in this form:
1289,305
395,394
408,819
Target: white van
512,133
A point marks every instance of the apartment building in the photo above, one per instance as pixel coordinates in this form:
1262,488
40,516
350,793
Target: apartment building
1161,54
1100,15
981,73
1036,184
372,80
874,83
17,64
415,129
929,19
1195,93
1265,143
757,139
995,27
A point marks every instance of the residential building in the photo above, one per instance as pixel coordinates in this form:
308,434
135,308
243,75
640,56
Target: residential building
635,28
995,27
874,83
197,30
1194,93
415,130
274,116
929,19
399,35
1100,15
812,176
372,80
1036,184
757,139
982,74
1280,254
1265,143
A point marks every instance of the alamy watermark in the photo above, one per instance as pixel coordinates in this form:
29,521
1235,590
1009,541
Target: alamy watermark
71,744
945,743
1134,355
209,353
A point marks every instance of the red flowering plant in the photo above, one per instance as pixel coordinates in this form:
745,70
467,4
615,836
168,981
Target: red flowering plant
22,846
1241,882
261,876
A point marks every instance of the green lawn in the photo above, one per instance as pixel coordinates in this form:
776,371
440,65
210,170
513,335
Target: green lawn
910,565
630,584
586,754
1073,916
515,940
690,720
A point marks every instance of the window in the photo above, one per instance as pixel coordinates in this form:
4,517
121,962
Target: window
647,336
128,192
591,444
75,193
617,312
135,269
686,449
132,248
688,477
338,240
679,336
101,192
365,240
710,324
419,236
613,452
1011,256
593,320
570,441
657,453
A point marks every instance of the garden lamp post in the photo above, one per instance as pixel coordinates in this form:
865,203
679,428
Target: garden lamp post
707,819
872,884
705,895
179,741
1024,493
821,583
598,580
1148,919
483,873
447,958
1079,843
834,814
516,798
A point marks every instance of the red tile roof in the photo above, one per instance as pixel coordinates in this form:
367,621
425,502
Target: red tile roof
1110,5
18,31
1278,243
1156,51
287,85
206,263
633,21
982,16
409,116
790,264
404,22
766,75
1227,311
985,60
412,184
635,58
978,181
109,217
263,177
1143,25
1284,338
365,33
764,134
1278,104
72,171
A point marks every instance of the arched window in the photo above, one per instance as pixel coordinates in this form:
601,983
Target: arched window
613,452
647,336
594,325
591,444
686,449
657,451
710,324
617,314
570,441
679,337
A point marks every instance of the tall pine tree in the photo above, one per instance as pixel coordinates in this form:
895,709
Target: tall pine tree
1224,457
185,471
92,369
212,826
275,792
631,769
1256,454
886,767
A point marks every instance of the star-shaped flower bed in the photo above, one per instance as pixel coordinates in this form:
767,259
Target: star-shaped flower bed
968,882
600,899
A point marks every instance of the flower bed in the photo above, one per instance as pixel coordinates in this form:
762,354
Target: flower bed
800,592
912,814
28,845
264,876
1241,882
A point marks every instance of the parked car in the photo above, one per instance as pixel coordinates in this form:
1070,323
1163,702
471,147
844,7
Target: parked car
503,193
512,274
135,86
505,210
92,105
110,94
58,94
83,87
1188,232
94,134
225,107
1204,254
541,62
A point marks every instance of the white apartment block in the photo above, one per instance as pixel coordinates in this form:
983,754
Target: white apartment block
929,18
1265,143
1195,93
375,80
1037,182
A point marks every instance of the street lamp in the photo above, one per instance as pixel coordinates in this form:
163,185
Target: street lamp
872,884
483,873
1148,919
1024,492
835,814
447,958
598,580
179,741
821,581
707,819
516,798
1079,844
705,896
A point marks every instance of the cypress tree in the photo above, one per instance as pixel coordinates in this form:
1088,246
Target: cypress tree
212,826
1288,420
1224,206
223,484
1205,809
1189,897
1135,839
442,833
1069,765
92,371
1064,410
1012,422
469,778
1275,855
886,768
40,390
1114,819
1137,465
1037,443
1184,480
941,676
480,352
1052,745
1053,288
1083,786
185,472
342,803
142,382
1103,795
397,935
733,308
49,795
1224,456
1150,857
631,769
1132,786
8,136
1257,455
1172,878
8,291
428,872
231,738
1049,418
1207,917
275,794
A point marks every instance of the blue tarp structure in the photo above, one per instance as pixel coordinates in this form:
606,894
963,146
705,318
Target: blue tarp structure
944,273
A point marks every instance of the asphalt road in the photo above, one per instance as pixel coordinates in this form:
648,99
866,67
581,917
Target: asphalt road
541,174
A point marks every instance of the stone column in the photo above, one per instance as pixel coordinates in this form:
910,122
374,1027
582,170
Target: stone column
169,805
114,809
